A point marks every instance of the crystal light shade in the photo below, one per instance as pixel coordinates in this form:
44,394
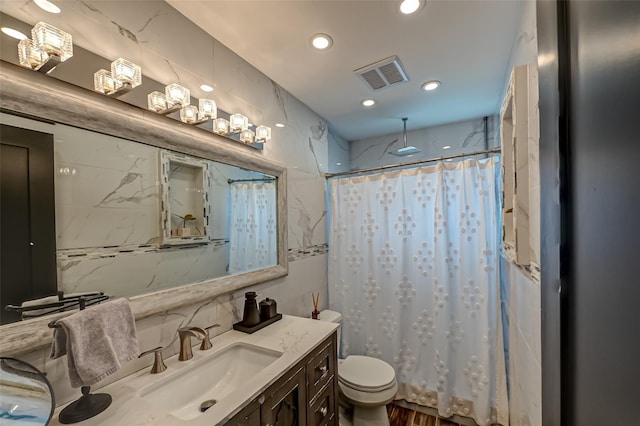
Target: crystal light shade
177,95
52,41
30,56
208,109
238,122
156,101
263,134
126,72
221,126
247,136
104,83
189,114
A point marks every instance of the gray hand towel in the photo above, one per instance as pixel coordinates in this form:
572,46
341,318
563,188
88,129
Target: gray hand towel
97,341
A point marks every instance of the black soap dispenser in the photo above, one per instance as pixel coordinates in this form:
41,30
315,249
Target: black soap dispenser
251,314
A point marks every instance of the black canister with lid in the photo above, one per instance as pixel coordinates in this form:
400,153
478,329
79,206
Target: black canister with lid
251,315
267,309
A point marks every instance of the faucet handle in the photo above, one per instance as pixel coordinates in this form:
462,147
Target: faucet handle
158,362
206,342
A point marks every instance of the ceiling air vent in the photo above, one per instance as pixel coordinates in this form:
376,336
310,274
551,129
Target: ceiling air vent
383,73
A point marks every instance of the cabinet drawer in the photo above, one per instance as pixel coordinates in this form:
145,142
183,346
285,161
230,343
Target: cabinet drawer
321,369
322,411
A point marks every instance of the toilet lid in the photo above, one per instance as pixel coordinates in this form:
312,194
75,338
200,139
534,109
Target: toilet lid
366,373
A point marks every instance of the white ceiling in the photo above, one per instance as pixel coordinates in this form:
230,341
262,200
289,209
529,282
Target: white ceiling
463,43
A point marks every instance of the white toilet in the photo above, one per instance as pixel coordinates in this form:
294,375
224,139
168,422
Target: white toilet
366,383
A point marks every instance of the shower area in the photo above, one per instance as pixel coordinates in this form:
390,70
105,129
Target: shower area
414,268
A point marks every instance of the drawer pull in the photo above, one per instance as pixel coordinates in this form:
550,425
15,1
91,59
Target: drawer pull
323,369
323,411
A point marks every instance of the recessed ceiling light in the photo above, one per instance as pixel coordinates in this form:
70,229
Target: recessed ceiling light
14,33
446,147
431,85
206,88
321,41
368,102
338,164
409,6
279,125
47,6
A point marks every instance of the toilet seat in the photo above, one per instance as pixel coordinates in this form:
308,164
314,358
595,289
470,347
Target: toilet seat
366,374
366,382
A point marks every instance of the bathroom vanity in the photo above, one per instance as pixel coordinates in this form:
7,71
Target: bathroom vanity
283,374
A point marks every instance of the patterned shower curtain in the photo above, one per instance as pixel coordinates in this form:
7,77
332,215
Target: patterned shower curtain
253,240
414,270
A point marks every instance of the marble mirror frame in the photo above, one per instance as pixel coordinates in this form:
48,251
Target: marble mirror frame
35,95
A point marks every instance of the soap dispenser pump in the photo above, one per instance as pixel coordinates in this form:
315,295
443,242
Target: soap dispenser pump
251,314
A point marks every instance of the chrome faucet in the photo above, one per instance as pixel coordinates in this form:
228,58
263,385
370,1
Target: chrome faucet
185,335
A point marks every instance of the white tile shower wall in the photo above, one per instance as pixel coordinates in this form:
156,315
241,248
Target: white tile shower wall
522,301
461,137
155,36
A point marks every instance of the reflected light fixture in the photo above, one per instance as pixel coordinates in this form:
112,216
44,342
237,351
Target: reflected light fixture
206,88
47,6
247,136
321,41
446,147
263,134
189,114
47,48
14,33
238,123
368,102
430,85
408,7
124,76
208,110
279,125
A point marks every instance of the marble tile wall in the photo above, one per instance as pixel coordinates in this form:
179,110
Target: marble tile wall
462,137
522,294
154,35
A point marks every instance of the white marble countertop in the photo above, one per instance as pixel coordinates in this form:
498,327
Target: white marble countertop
293,336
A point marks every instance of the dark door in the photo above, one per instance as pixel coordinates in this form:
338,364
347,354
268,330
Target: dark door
27,218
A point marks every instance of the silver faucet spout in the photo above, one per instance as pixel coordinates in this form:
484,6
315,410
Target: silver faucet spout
185,335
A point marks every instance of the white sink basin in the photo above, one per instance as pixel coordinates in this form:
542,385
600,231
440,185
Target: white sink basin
212,378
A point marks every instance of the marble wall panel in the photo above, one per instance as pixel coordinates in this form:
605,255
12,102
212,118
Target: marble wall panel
461,137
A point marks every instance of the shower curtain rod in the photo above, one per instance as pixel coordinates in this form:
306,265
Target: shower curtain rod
414,163
249,180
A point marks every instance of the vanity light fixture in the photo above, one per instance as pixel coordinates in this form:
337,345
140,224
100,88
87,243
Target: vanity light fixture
173,98
321,41
124,76
221,126
408,7
247,136
189,114
13,33
430,85
47,6
208,110
47,48
238,123
263,134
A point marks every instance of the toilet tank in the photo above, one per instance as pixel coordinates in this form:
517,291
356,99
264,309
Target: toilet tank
333,316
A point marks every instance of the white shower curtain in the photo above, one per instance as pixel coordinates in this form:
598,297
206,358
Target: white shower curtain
253,240
414,270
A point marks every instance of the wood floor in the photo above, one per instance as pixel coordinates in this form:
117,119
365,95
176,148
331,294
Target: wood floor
400,416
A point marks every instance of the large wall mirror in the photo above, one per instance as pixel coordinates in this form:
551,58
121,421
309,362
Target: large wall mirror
145,207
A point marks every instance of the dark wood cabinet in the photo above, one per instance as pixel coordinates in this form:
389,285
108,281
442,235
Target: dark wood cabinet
304,395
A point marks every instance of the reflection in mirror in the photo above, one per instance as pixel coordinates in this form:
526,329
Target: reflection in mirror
132,218
26,396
